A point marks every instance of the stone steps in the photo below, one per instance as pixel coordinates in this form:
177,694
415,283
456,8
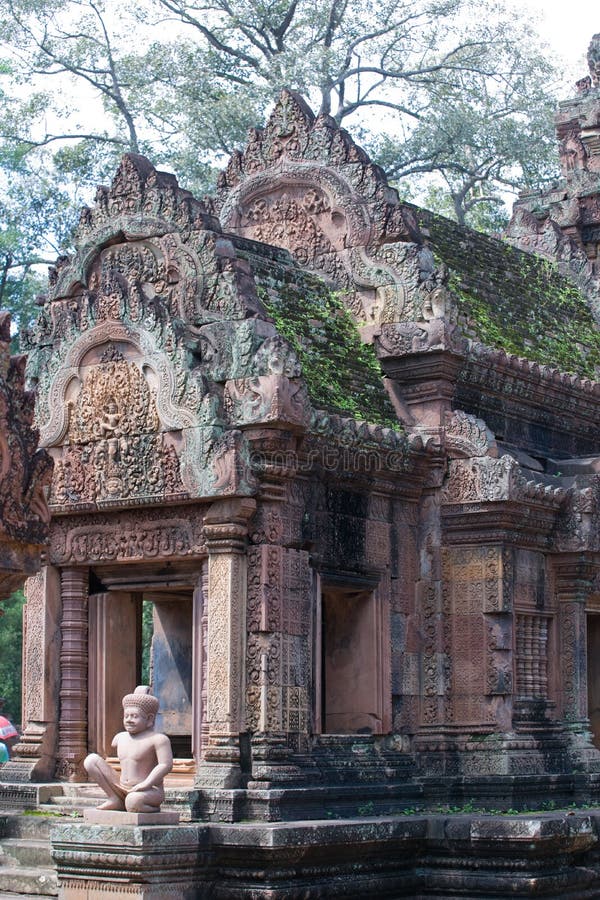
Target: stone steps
21,880
73,799
28,826
26,866
28,852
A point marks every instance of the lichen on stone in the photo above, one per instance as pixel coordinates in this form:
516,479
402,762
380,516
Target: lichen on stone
342,373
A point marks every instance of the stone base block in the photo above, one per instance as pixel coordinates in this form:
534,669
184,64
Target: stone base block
129,860
24,771
430,855
115,817
18,795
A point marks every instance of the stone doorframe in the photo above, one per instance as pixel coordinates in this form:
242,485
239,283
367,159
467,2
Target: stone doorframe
55,741
367,629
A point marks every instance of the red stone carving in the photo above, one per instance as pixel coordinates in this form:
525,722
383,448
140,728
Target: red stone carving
25,473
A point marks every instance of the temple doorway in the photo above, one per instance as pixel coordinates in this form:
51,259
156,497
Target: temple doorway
593,674
145,636
351,662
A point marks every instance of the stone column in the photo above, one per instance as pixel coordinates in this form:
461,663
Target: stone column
225,530
72,728
34,757
574,577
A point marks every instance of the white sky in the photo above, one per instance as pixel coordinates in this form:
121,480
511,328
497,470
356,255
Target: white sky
567,26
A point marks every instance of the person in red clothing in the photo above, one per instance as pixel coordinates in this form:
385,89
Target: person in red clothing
8,733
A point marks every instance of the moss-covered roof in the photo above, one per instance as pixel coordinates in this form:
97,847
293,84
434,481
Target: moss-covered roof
515,300
342,373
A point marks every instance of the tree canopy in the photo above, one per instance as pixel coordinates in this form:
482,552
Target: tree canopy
452,97
11,638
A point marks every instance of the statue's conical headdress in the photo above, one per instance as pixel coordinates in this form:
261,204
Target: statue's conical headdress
143,699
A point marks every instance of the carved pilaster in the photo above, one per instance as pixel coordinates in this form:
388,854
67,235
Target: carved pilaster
72,741
200,726
574,577
34,757
225,530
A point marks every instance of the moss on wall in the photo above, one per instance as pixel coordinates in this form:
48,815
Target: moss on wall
342,373
515,300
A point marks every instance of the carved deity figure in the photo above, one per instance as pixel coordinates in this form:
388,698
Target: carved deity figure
573,153
145,757
110,431
111,419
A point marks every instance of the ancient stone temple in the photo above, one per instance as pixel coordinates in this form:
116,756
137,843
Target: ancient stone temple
25,473
562,223
327,438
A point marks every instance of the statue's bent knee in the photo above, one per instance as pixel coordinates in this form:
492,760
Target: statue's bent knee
91,762
137,801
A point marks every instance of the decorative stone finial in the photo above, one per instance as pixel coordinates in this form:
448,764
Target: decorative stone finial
593,58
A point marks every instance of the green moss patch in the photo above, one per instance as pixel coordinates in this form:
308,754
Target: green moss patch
516,301
342,373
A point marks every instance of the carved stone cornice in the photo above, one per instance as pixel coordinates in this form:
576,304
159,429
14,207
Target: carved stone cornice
575,575
504,390
484,494
426,382
515,522
226,525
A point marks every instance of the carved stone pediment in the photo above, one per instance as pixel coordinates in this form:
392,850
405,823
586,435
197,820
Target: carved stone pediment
134,344
304,185
467,436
